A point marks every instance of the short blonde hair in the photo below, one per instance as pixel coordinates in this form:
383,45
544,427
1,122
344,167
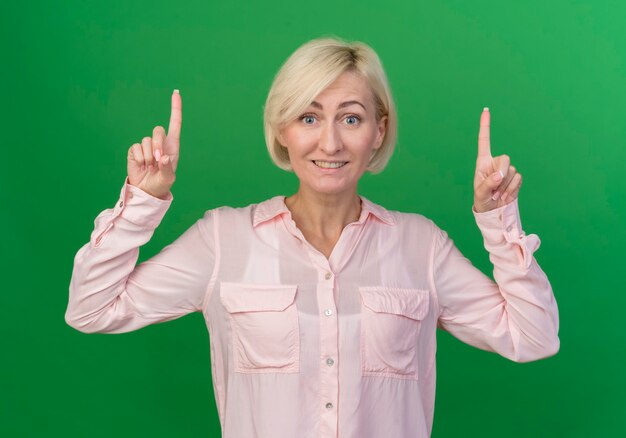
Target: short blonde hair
307,72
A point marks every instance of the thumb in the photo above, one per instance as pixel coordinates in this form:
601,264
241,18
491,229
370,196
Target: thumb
485,189
166,169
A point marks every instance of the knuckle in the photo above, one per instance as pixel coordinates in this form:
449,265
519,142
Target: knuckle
146,139
512,168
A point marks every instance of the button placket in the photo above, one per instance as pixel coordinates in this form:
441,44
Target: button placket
329,349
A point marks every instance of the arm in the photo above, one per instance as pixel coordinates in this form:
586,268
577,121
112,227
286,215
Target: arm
516,317
109,294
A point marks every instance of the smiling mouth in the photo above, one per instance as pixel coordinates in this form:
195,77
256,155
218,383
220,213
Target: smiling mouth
330,164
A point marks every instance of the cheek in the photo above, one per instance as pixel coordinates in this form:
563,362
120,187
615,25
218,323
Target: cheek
361,141
298,140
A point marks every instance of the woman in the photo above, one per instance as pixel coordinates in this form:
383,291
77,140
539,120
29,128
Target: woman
322,307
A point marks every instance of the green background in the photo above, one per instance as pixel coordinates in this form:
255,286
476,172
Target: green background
82,81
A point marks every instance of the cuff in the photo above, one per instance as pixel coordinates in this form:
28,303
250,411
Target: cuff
141,208
135,206
503,224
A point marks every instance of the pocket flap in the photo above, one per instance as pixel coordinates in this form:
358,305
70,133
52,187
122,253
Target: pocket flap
239,297
412,303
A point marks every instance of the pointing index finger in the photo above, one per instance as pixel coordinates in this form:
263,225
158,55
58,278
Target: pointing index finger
484,142
176,117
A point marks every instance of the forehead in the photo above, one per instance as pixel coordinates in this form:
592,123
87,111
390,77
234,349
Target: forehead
348,86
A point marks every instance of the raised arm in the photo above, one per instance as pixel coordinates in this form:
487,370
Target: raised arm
108,292
517,316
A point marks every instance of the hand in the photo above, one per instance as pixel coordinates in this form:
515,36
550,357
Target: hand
496,182
152,164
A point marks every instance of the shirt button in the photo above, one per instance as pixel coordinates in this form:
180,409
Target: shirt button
509,228
121,204
328,312
330,362
329,405
328,276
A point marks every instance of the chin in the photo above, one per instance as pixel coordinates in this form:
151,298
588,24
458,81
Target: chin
333,189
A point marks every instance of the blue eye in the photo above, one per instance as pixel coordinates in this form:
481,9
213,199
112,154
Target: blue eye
352,120
308,120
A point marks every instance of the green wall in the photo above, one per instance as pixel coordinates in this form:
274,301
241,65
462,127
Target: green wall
82,81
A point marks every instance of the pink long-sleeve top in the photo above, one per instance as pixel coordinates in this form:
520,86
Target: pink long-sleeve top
305,346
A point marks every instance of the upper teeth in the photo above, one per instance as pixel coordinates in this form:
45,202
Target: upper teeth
331,165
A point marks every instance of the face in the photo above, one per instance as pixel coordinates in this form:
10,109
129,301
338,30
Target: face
331,142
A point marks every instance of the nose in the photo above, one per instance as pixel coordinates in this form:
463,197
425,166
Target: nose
330,140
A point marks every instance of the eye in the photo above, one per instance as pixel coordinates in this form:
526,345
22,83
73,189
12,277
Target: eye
308,119
352,120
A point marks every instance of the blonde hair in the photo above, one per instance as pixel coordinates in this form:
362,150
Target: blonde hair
307,72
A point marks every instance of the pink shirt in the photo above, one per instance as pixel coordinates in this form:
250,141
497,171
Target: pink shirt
304,346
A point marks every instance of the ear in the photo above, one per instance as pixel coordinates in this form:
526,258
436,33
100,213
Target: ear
280,138
382,130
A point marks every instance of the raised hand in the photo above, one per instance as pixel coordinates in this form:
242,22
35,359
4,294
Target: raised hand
496,182
152,164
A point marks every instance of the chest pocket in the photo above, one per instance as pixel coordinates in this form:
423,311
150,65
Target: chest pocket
265,329
390,326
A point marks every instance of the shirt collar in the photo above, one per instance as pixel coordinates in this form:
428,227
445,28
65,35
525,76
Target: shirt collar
275,207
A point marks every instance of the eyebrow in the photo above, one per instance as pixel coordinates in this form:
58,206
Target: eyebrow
341,105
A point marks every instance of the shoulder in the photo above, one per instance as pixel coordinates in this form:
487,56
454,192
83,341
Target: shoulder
412,233
416,227
401,219
251,213
412,219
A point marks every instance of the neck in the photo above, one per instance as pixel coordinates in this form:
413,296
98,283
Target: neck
324,215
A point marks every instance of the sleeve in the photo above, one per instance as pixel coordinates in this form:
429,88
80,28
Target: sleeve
108,293
517,316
